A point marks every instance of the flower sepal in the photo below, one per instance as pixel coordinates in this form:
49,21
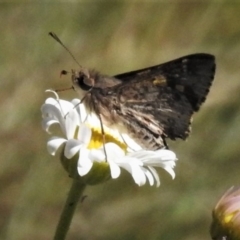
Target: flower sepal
70,165
99,173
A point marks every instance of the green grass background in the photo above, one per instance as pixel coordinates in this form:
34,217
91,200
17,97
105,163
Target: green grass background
115,37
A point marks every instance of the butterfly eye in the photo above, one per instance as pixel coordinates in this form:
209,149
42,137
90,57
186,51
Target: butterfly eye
81,80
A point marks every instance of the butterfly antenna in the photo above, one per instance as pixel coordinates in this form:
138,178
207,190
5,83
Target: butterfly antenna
55,37
63,89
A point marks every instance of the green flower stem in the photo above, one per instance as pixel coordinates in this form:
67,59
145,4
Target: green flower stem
75,193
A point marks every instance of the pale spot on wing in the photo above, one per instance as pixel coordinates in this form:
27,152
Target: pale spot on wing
159,81
191,120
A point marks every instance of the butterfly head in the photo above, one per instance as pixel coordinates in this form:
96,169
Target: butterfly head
82,81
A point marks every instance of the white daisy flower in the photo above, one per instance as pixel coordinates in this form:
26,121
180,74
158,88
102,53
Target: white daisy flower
84,143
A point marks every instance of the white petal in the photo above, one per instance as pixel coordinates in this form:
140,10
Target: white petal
149,177
54,92
63,112
114,155
62,105
76,103
54,143
131,143
72,147
113,151
162,158
83,170
65,107
84,163
155,175
138,176
133,166
166,155
93,119
156,158
51,111
97,155
84,134
71,123
80,109
115,169
52,101
47,122
170,171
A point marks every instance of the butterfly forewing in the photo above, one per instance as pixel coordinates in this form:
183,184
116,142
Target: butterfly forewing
193,73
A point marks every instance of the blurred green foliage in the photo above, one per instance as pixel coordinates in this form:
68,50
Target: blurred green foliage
115,37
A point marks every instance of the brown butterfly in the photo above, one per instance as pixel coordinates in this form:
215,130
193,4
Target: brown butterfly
149,104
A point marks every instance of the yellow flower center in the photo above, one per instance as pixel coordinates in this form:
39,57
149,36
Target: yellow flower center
98,139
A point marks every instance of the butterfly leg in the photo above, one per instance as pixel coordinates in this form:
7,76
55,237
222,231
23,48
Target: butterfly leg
165,142
103,135
95,104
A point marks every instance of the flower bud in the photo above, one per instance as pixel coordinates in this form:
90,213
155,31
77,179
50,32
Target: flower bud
226,216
